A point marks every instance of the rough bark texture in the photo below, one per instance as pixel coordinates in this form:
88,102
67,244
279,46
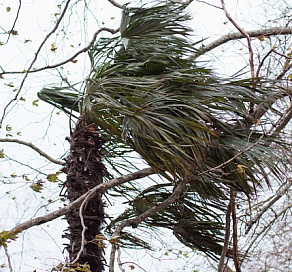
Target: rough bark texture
85,170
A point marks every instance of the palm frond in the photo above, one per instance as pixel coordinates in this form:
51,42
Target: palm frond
179,117
146,94
195,222
67,99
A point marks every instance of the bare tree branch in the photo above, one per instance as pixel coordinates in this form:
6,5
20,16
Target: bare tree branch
32,146
285,120
262,62
234,234
14,23
251,62
275,31
226,239
116,4
34,60
208,4
101,188
8,259
244,34
83,50
134,222
262,108
269,205
267,227
285,70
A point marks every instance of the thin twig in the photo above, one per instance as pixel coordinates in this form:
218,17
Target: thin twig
34,60
285,70
32,146
14,23
276,197
83,50
208,4
116,4
119,260
99,189
134,222
243,33
234,235
262,62
267,227
277,127
8,259
226,239
251,63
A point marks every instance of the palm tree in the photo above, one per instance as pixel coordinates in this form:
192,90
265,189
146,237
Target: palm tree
146,93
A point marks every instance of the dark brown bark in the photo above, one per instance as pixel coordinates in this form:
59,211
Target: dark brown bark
85,170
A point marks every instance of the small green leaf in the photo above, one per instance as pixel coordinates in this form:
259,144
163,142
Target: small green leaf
22,99
186,255
25,177
6,235
10,85
37,187
8,9
53,47
8,128
35,102
53,177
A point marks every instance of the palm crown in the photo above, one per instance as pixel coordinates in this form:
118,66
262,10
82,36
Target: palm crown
146,92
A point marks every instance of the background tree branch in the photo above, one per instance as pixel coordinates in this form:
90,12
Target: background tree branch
90,194
32,146
34,60
268,205
236,36
134,222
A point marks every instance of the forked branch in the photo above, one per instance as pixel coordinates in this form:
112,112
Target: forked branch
134,222
89,195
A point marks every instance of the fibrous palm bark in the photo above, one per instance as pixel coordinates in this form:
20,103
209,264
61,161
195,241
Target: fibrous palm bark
85,170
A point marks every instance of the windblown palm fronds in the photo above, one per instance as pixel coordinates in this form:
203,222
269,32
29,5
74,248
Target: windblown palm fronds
178,116
145,91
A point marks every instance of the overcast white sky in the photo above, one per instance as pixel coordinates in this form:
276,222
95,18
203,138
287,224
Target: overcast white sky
47,128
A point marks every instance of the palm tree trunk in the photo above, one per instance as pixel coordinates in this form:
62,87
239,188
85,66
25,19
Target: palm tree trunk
85,170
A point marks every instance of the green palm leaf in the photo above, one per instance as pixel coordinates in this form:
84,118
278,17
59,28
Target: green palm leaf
146,92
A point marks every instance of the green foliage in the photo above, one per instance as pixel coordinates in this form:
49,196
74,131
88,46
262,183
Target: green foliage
179,117
65,99
35,102
147,94
5,236
36,186
53,177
